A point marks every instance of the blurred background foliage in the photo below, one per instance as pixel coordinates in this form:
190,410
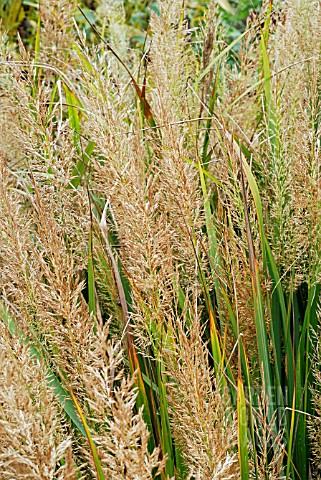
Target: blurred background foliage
21,16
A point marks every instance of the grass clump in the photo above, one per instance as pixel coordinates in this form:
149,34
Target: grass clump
160,240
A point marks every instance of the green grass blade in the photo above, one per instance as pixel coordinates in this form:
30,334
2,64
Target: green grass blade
81,166
166,436
73,104
95,456
257,200
261,330
302,381
206,173
64,398
290,440
91,276
251,420
242,432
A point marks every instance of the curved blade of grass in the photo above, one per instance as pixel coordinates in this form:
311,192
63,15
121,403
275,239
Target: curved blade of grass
73,113
86,65
257,199
63,397
73,102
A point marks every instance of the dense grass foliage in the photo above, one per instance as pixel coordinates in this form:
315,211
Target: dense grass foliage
160,240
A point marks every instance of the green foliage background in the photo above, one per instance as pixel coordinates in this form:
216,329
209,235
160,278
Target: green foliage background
21,16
